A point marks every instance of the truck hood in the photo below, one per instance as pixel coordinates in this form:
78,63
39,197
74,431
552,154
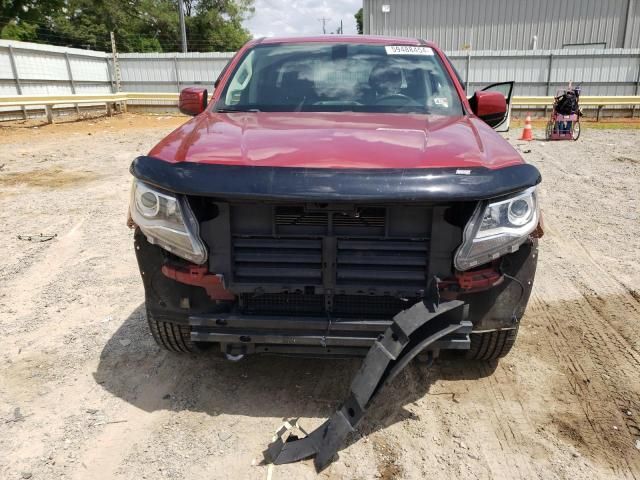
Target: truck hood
336,140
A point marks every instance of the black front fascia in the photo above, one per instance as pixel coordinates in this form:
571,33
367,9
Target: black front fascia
234,182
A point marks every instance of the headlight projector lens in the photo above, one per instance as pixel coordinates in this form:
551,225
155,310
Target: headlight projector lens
149,204
497,228
167,221
519,212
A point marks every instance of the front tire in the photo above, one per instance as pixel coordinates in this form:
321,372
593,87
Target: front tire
172,337
549,130
491,345
575,131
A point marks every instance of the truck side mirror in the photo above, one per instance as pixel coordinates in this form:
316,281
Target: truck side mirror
193,100
491,107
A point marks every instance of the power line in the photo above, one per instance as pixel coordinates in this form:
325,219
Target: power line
47,34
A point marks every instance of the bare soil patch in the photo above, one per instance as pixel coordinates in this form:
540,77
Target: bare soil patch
45,178
85,393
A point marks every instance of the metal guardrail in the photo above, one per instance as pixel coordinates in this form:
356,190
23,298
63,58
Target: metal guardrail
48,101
585,100
111,99
152,96
25,100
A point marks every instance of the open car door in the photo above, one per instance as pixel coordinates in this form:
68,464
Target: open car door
506,88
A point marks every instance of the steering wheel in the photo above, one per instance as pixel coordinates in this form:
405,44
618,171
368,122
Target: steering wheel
392,100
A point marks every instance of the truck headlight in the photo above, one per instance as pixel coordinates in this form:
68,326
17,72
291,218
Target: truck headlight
497,228
167,221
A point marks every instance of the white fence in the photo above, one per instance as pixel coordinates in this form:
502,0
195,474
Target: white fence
542,72
170,72
34,69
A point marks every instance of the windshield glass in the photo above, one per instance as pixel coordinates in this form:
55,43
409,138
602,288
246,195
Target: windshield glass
314,77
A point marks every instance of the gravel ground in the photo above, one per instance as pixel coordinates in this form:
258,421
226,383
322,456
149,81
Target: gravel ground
85,393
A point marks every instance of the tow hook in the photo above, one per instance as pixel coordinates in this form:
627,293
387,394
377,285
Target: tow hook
234,358
411,332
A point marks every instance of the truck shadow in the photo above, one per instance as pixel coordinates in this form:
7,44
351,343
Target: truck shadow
134,369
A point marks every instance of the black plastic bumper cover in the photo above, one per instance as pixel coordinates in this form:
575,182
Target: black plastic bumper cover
324,184
412,331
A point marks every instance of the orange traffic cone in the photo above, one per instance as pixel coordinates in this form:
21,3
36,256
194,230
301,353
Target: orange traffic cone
527,133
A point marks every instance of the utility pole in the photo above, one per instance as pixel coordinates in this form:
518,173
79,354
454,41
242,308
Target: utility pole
122,106
324,24
341,28
116,64
183,28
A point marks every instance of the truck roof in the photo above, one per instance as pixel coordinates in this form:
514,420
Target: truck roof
355,39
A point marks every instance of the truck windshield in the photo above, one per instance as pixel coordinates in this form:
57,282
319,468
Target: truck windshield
316,77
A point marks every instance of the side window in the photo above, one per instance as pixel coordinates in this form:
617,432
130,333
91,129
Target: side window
222,72
240,81
440,99
460,81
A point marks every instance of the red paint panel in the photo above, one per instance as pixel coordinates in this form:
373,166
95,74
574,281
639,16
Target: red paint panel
490,103
342,139
199,277
193,100
337,140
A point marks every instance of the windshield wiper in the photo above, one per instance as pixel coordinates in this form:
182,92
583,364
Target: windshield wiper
234,110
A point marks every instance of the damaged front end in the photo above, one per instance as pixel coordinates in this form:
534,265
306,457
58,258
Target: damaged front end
377,264
412,331
237,257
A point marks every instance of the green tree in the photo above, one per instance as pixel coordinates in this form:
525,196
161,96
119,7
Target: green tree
139,25
216,25
358,16
23,31
19,19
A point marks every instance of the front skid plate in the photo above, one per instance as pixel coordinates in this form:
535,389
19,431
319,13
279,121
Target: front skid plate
412,331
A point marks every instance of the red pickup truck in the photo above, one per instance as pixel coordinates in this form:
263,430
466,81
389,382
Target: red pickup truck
329,184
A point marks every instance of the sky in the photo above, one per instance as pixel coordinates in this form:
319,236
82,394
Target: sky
276,18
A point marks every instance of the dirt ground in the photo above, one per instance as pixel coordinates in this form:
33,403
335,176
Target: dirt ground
86,394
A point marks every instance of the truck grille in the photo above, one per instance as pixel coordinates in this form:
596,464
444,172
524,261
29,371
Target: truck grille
366,217
382,262
282,304
269,260
321,259
360,264
344,306
384,307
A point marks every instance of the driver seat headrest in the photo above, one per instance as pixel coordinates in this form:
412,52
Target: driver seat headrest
385,73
